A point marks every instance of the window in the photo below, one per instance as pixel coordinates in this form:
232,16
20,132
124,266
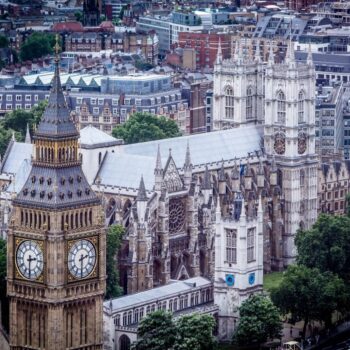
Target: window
36,98
124,319
114,102
302,177
9,98
27,106
93,101
8,106
127,101
18,97
28,97
129,317
281,108
77,109
251,245
18,106
79,100
249,104
231,246
95,110
229,103
301,99
100,101
115,111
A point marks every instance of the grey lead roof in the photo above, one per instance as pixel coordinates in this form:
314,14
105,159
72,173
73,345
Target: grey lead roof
56,121
174,288
125,167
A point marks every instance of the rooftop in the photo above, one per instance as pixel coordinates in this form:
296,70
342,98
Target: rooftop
91,137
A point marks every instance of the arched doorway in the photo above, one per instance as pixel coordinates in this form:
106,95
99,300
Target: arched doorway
124,342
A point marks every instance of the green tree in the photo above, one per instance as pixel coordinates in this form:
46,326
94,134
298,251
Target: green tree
156,332
195,332
114,239
326,245
37,45
259,321
78,16
141,127
3,273
4,41
308,294
347,201
17,121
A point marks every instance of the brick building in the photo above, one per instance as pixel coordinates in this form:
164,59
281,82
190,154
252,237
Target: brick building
205,44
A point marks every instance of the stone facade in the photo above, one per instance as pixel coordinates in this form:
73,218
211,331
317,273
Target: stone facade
56,243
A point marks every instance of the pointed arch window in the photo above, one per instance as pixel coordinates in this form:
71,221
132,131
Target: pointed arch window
301,107
302,177
281,108
229,103
231,246
249,103
251,245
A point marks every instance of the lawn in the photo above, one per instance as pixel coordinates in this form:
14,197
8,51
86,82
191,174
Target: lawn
272,280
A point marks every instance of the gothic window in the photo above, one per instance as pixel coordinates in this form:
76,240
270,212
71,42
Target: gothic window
251,245
229,103
176,216
281,108
249,103
129,317
302,177
301,106
125,319
231,246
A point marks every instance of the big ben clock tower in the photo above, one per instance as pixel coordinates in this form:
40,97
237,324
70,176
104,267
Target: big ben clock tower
56,243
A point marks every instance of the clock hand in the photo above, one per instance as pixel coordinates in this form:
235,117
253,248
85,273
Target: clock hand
30,259
82,257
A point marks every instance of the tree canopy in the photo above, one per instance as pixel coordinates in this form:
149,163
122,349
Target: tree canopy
141,127
195,332
4,41
158,331
3,273
259,321
308,294
16,121
155,332
114,238
37,45
326,245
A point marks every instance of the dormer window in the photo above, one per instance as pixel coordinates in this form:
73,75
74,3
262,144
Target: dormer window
70,194
41,180
71,179
32,193
87,191
62,195
49,195
33,179
79,178
42,194
63,180
79,192
25,191
49,181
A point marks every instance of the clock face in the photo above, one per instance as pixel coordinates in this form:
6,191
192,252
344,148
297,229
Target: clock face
81,258
30,260
280,143
301,143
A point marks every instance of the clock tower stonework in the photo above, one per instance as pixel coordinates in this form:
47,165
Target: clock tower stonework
56,243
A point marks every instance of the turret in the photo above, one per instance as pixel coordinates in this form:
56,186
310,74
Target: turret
141,201
158,172
28,138
273,172
222,179
187,168
235,177
260,175
248,176
206,187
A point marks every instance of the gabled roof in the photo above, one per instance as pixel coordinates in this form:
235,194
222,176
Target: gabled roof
16,153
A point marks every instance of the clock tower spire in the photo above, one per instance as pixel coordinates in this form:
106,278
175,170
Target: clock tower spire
56,242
